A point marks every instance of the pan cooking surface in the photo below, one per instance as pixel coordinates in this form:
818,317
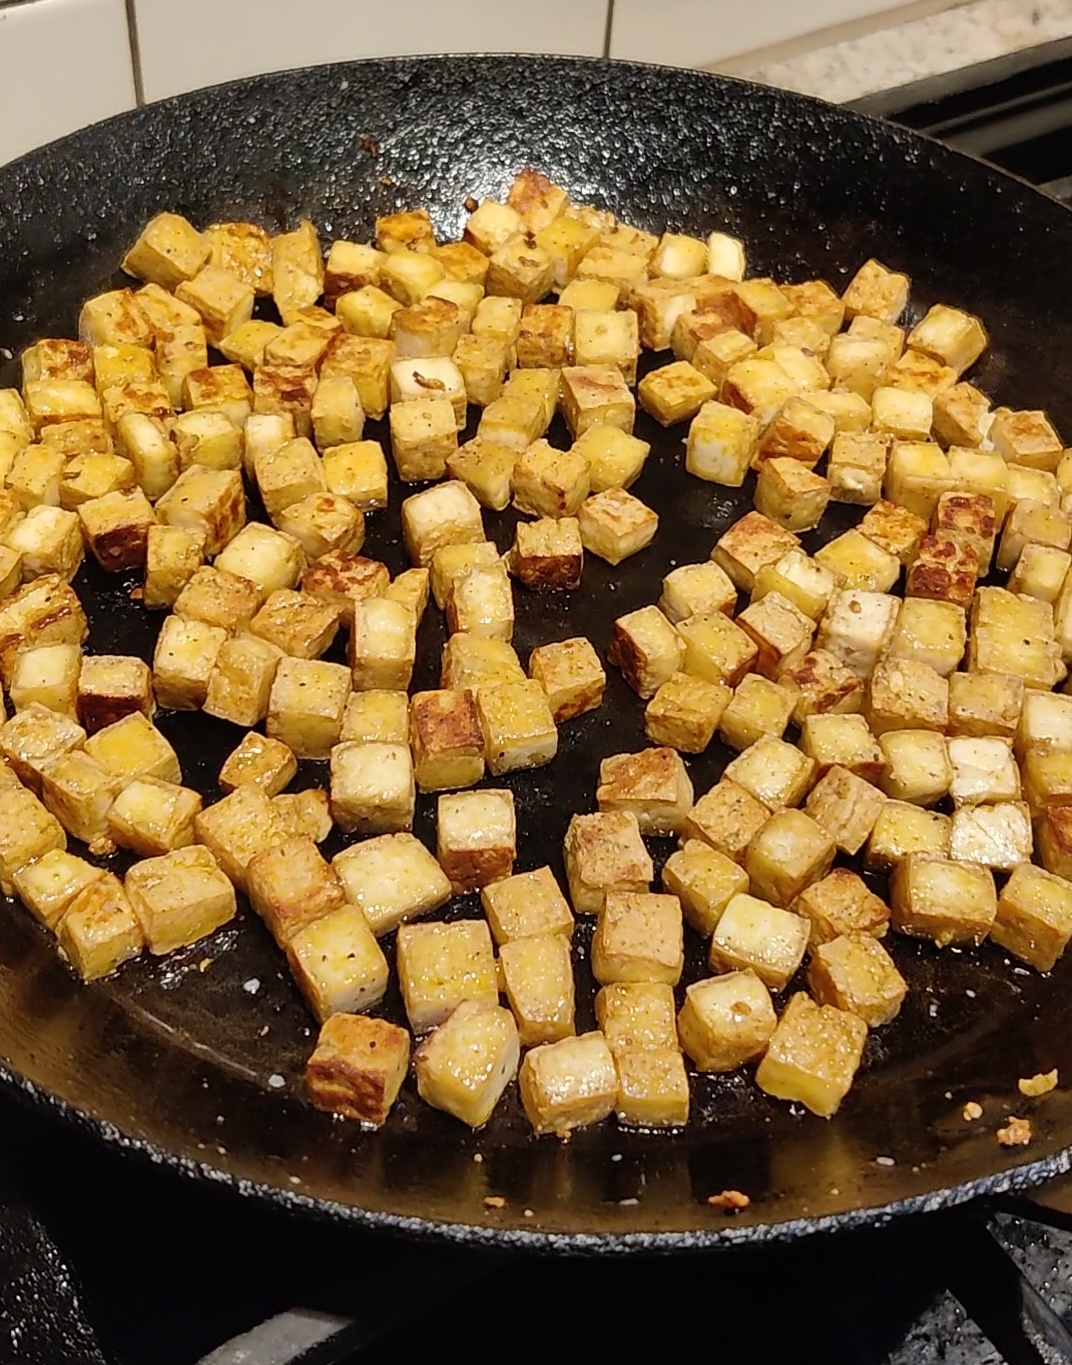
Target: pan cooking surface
198,1057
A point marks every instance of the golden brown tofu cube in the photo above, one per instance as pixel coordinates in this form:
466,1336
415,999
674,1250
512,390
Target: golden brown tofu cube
172,555
179,897
685,712
240,680
788,853
208,501
653,784
841,903
373,790
605,853
905,695
857,627
813,1055
290,885
46,611
984,770
638,937
357,470
727,818
393,878
753,934
716,649
571,674
675,392
705,881
653,1088
305,813
857,467
476,838
237,828
48,885
781,631
942,900
568,1084
134,747
152,818
721,443
696,590
445,515
549,482
79,791
342,579
299,625
856,974
1025,438
877,292
519,729
1034,917
262,760
790,494
774,772
337,963
998,835
615,459
823,685
799,431
445,734
538,984
648,650
945,570
897,530
358,1068
527,904
116,528
222,301
758,708
931,633
99,931
902,829
726,1020
917,766
846,806
749,545
857,562
596,395
637,1015
466,1064
34,736
441,965
982,704
219,598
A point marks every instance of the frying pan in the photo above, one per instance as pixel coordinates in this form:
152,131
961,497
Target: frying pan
195,1060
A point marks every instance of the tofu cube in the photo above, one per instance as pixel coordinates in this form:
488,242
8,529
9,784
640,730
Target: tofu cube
639,937
235,829
813,1055
470,661
985,704
372,788
476,835
675,392
1034,917
842,903
538,984
857,628
1032,523
781,631
441,516
931,633
876,292
1025,438
790,494
653,784
903,829
434,376
846,806
48,885
857,562
637,1016
614,525
774,772
704,881
955,338
524,905
905,695
481,603
514,420
358,1068
727,818
648,650
291,886
392,879
545,339
424,434
721,443
749,545
596,395
1011,634
306,704
304,814
696,590
549,482
219,598
376,716
466,1064
79,791
856,974
568,1084
266,557
942,900
1040,572
716,649
357,471
222,301
486,467
179,897
897,530
209,502
758,708
519,729
34,736
48,540
822,685
48,676
520,271
337,963
366,359
448,746
605,853
571,674
788,853
984,770
240,680
296,623
266,762
367,312
802,580
998,835
857,466
799,431
442,965
323,523
685,712
752,934
382,646
653,1088
918,768
297,270
726,1020
100,931
945,570
115,528
615,459
134,747
152,818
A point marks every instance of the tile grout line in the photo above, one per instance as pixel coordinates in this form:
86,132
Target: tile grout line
135,51
609,28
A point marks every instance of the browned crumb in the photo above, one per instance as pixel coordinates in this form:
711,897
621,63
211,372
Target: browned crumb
471,205
137,594
370,145
733,1201
1016,1133
204,964
1040,1084
494,1201
972,1111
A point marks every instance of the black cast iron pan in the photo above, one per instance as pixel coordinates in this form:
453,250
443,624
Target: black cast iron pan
196,1060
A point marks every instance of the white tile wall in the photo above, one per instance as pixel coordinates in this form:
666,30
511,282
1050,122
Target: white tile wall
63,64
185,44
704,32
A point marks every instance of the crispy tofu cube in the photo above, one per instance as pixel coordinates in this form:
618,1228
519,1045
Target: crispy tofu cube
1044,724
203,437
79,791
1054,834
240,680
410,590
407,230
36,476
758,708
1025,438
857,466
299,625
721,444
383,645
961,416
942,900
653,784
675,392
31,738
857,627
998,836
219,598
29,831
813,1055
857,562
46,611
604,853
727,818
945,571
519,729
844,741
842,903
448,747
431,327
287,475
750,544
99,931
520,270
513,420
877,292
266,762
846,806
548,554
801,580
549,482
525,905
288,883
596,395
685,712
774,772
183,662
305,813
856,974
372,788
49,676
366,359
918,767
297,270
726,1020
1015,635
1032,523
568,1084
696,590
1034,917
306,704
434,376
462,262
357,471
207,501
481,603
788,853
134,747
486,467
705,881
538,984
115,528
337,963
716,649
349,266
376,716
752,934
637,1016
905,414
1040,572
48,886
903,694
393,879
756,385
423,435
653,1088
466,1064
781,631
615,459
476,835
903,829
452,561
799,431
268,558
342,579
648,650
897,530
470,661
931,633
179,897
482,362
571,674
322,523
358,1068
116,319
367,312
955,338
790,494
984,770
982,704
614,525
822,684
221,300
441,516
718,351
92,476
546,337
49,539
442,965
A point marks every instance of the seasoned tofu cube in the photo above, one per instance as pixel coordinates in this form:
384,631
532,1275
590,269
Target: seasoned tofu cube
520,271
525,905
856,974
367,312
376,716
287,475
306,704
721,443
431,327
1054,834
79,791
223,390
266,762
28,831
208,501
452,561
877,292
568,1084
969,517
857,562
49,540
34,736
470,661
538,984
1025,438
614,525
48,886
774,772
304,814
604,853
716,649
757,385
846,806
290,885
366,359
696,590
486,467
705,881
596,395
49,401
781,631
476,836
548,482
482,362
297,270
1040,572
219,598
466,1064
179,897
982,704
945,570
392,878
955,338
822,685
905,414
638,937
946,901
961,416
749,545
372,788
727,818
546,337
917,474
357,471
513,420
726,1020
799,431
349,266
790,494
857,627
931,633
719,351
984,770
1015,635
134,747
519,729
151,817
337,963
424,434
433,376
358,1068
845,742
1043,723
571,674
36,476
615,459
1032,523
654,785
1034,917
637,1016
100,931
222,301
115,319
752,934
903,829
448,747
648,650
685,712
48,676
242,824
813,1055
268,558
788,853
803,581
566,241
841,903
897,530
857,466
757,709
918,768
442,965
322,523
481,603
653,1088
905,695
998,836
675,392
441,516
548,554
92,476
407,230
336,412
626,269
296,623
240,680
